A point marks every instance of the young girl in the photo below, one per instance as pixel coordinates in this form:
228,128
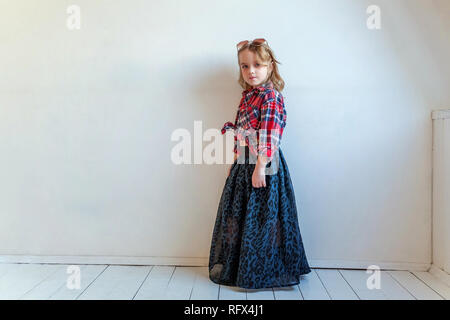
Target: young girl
256,242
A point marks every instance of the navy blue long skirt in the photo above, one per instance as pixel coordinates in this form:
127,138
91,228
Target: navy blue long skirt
256,242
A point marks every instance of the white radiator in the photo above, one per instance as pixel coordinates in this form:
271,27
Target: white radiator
441,189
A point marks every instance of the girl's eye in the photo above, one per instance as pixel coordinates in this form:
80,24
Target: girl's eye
244,67
257,64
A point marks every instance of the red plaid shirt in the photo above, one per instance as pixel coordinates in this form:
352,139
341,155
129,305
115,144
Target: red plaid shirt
260,120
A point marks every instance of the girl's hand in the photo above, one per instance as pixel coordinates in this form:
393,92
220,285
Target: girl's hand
259,177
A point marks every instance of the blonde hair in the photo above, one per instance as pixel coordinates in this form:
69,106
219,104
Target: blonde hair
264,55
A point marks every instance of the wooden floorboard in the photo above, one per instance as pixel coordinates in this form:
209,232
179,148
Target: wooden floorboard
312,287
88,274
204,288
23,278
155,285
122,282
181,284
392,289
288,293
415,286
116,283
232,293
434,283
336,285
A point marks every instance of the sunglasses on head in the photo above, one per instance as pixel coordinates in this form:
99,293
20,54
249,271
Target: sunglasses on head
256,42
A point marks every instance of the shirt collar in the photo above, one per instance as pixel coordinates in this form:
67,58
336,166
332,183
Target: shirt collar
261,87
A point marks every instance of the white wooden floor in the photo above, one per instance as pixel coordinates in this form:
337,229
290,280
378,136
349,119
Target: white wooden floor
49,281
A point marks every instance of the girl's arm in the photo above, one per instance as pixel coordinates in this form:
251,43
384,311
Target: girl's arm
261,162
271,128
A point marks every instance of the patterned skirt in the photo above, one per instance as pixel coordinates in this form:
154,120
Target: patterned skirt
256,241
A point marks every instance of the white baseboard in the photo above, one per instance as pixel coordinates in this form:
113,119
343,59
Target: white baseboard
119,260
441,274
202,262
356,264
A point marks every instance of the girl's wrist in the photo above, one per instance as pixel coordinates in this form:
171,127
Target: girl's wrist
261,162
260,167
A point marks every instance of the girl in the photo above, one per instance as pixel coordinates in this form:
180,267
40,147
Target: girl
256,241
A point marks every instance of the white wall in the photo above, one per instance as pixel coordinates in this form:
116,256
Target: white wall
86,118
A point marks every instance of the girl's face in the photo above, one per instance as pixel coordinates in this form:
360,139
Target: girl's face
253,71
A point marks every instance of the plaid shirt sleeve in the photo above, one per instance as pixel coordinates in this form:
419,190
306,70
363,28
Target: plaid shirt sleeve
232,126
272,123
